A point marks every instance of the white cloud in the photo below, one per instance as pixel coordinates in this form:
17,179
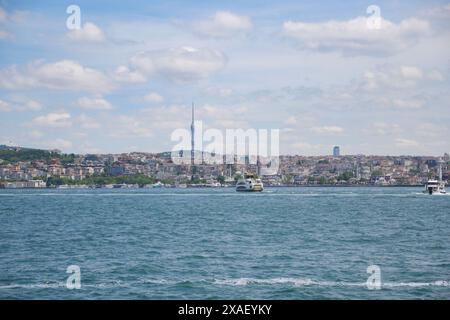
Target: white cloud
440,12
20,104
3,15
89,32
9,20
435,76
4,34
406,143
291,120
124,74
433,130
14,16
403,77
412,73
32,105
222,24
96,103
54,120
153,97
4,106
87,122
167,117
413,103
3,19
382,129
64,74
328,130
408,103
218,91
129,126
354,37
180,64
225,113
178,116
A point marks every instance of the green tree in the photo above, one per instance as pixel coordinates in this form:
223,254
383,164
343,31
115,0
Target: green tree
346,176
287,179
322,180
221,179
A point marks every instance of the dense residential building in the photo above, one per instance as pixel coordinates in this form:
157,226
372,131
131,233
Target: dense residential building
293,169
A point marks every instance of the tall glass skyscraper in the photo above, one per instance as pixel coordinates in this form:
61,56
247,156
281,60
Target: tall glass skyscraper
336,151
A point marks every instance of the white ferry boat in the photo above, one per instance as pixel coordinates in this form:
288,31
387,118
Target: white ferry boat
436,186
249,182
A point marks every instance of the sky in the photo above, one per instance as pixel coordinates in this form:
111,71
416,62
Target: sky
324,73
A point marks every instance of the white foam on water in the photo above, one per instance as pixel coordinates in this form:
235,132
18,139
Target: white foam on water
441,283
159,281
435,194
290,281
296,282
34,286
311,282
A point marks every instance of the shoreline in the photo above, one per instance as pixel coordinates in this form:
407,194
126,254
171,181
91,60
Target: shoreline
222,187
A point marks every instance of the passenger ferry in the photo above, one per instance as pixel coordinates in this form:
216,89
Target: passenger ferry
436,186
249,182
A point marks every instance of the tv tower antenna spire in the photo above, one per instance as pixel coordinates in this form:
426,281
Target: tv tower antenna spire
192,137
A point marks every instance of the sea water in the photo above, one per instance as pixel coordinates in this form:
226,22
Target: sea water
283,243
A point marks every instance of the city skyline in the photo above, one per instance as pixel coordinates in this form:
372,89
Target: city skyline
126,79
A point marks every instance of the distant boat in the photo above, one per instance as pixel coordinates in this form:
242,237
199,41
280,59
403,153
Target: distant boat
250,183
436,186
214,185
157,185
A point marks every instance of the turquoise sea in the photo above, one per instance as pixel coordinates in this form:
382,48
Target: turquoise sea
283,243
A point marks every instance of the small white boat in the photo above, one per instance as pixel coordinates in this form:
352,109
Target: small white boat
157,185
250,183
214,185
436,186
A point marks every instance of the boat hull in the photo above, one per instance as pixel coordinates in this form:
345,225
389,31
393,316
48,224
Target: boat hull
249,190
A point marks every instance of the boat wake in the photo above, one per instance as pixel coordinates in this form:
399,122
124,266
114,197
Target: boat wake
310,282
295,282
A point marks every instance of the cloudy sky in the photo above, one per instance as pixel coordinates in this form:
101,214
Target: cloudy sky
323,73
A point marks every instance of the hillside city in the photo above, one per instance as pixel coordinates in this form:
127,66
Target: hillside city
32,168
